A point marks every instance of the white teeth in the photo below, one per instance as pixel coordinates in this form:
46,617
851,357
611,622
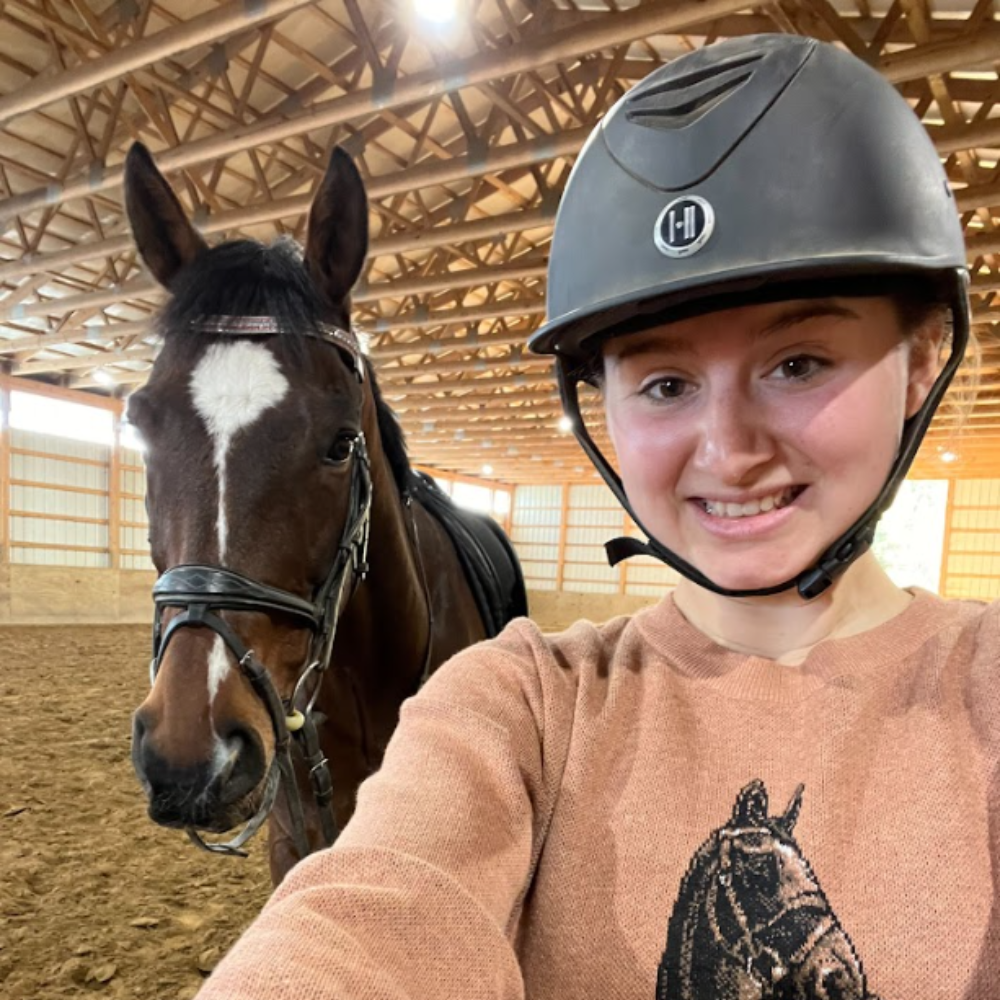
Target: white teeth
719,508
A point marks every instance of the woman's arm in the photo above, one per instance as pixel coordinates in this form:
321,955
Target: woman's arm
420,895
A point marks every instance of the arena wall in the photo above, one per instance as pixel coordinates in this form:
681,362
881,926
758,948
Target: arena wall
60,595
73,534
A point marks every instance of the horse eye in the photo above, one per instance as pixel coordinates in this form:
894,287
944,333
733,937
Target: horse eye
341,450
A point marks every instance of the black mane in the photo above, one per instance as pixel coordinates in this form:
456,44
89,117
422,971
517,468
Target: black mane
247,278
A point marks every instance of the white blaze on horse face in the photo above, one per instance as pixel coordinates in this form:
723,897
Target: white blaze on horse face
218,667
233,384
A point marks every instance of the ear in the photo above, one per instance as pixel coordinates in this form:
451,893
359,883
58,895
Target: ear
337,242
165,239
751,805
924,364
791,815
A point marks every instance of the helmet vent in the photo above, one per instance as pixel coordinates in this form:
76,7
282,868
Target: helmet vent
678,101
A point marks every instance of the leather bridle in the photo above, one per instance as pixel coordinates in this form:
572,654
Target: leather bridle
202,591
766,964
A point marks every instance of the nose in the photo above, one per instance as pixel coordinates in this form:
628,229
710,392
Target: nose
733,441
198,793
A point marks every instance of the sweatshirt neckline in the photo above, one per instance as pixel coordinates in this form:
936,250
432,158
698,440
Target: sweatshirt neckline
755,678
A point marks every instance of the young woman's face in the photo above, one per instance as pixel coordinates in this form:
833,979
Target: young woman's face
749,439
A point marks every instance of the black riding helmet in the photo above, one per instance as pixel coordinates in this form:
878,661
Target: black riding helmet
758,169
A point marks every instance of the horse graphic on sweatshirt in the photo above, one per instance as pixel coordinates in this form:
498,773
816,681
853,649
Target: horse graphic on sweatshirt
751,921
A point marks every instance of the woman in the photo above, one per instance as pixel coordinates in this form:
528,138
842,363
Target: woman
781,780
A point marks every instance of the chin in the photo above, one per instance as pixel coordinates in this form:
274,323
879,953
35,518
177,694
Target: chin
753,575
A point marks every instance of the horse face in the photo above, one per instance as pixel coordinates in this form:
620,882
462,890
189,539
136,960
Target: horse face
247,470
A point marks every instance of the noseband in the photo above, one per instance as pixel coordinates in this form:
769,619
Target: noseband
203,591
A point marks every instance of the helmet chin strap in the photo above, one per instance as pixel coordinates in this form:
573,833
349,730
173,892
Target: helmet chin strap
837,557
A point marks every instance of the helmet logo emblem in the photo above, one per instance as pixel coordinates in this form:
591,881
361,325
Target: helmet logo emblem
684,226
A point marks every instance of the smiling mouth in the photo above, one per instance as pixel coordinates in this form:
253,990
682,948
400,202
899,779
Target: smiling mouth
751,508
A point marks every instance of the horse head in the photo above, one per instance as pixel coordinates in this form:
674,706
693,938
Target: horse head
751,919
261,431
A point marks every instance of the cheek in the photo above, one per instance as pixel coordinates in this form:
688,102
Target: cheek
863,421
650,460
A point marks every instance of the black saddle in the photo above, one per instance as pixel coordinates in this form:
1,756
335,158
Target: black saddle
488,559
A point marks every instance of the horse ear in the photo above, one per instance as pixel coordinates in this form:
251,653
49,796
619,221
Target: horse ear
751,805
791,815
165,239
337,242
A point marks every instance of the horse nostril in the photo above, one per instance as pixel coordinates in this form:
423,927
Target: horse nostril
244,767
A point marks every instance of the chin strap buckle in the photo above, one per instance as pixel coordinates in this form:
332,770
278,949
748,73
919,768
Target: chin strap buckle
813,582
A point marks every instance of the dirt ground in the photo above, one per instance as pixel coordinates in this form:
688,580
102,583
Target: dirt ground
95,899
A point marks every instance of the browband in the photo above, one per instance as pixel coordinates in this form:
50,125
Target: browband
269,326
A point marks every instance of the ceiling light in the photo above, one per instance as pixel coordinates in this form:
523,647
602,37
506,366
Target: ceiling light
103,377
487,470
565,424
949,456
436,11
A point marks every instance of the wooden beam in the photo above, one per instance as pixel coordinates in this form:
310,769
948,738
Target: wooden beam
563,529
13,384
395,243
115,497
149,291
964,53
5,472
200,30
657,17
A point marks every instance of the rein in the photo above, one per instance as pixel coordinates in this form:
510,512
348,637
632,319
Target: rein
202,590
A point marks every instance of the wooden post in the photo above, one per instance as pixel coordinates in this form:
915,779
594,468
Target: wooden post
115,495
563,526
5,472
949,514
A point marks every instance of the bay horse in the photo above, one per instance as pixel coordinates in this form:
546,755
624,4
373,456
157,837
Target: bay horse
751,921
307,582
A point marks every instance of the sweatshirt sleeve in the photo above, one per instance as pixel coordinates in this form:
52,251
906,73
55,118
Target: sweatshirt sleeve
421,893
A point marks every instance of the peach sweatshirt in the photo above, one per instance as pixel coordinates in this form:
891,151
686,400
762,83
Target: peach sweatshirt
551,806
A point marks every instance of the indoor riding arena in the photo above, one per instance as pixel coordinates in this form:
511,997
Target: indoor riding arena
464,119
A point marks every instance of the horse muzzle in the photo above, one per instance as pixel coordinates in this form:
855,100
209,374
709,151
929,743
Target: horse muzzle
215,795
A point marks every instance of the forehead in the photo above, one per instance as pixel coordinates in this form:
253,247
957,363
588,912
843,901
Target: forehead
748,323
234,382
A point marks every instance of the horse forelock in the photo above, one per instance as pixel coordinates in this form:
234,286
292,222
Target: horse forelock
245,278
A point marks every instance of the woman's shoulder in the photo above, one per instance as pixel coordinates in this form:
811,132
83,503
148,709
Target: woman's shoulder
528,655
962,615
584,644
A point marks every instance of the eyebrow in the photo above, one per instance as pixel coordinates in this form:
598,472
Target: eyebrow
795,316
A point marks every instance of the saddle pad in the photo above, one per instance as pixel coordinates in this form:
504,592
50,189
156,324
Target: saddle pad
488,559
